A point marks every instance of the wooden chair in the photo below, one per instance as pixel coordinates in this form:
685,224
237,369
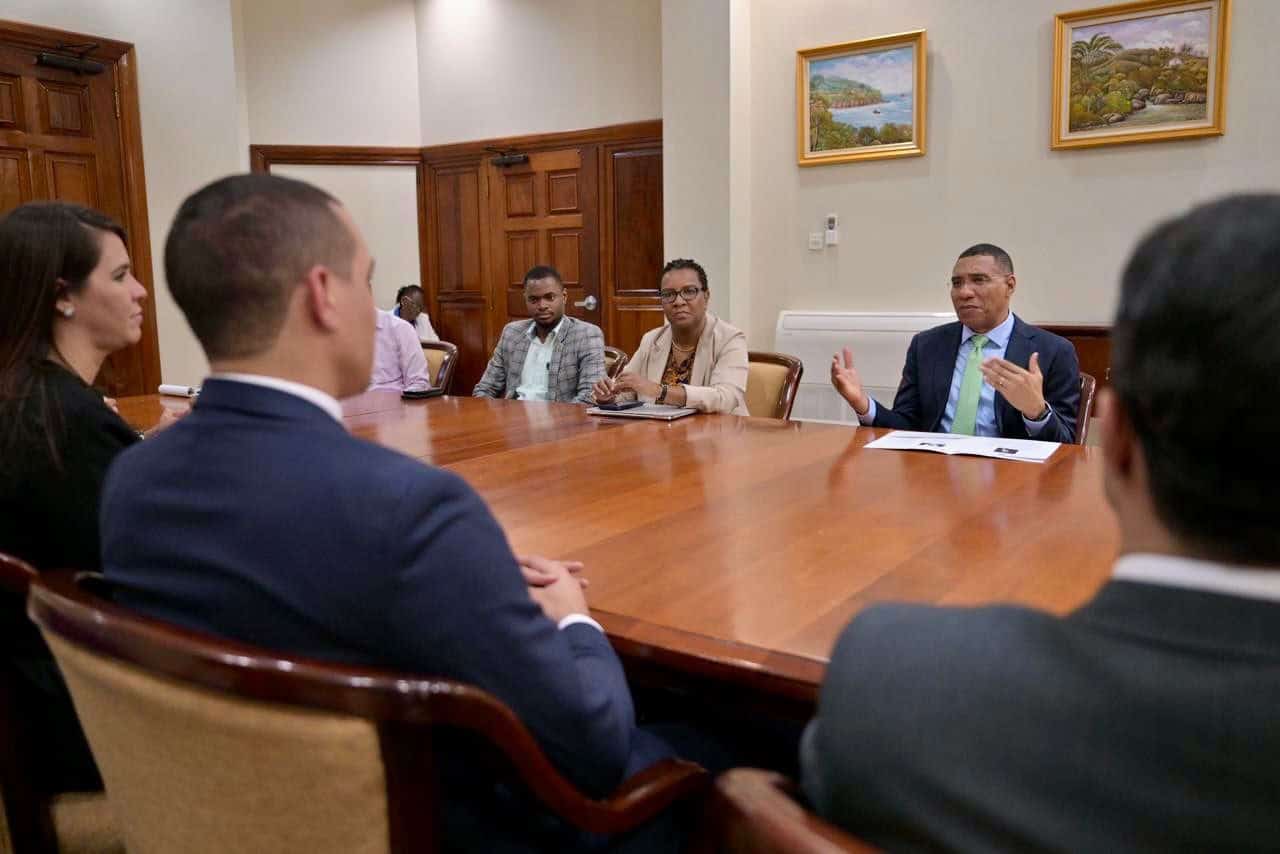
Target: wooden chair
1088,388
772,382
33,821
755,812
614,361
442,363
210,745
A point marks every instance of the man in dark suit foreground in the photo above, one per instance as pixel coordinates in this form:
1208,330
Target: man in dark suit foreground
263,520
987,374
1146,720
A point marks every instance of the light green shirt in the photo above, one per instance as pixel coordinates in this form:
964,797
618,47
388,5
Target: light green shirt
535,375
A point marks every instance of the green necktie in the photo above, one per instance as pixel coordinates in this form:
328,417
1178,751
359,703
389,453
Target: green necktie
966,420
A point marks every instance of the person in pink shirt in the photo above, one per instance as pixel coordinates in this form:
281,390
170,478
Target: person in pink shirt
398,363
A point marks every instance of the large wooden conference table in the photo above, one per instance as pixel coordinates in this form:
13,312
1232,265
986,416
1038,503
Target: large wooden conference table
726,554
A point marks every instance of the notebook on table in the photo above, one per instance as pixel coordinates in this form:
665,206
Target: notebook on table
661,412
1026,450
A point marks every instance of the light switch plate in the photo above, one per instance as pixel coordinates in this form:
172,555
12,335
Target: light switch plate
815,240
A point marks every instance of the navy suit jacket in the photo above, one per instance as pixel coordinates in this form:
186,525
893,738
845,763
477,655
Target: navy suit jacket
259,518
1144,721
921,400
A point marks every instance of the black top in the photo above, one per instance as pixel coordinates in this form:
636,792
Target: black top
49,513
49,518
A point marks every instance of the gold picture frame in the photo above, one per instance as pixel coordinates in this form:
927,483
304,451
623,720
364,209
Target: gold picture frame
869,102
1140,72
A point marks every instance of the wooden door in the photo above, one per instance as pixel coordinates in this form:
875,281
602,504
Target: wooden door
632,257
544,211
61,138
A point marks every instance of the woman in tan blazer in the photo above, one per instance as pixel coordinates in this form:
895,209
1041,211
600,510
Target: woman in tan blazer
695,359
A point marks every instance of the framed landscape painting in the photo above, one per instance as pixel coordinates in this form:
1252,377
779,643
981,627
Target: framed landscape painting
861,100
1140,72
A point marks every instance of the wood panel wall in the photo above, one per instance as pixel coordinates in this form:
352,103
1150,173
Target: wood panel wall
1093,348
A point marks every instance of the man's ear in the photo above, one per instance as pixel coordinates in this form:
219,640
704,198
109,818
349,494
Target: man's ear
1119,441
319,299
1011,283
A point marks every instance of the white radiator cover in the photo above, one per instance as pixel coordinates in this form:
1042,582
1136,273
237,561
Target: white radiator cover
879,344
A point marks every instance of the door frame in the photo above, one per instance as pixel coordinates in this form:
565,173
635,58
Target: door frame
123,59
263,157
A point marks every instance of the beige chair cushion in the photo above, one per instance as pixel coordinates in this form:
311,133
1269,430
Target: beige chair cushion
196,771
435,360
765,382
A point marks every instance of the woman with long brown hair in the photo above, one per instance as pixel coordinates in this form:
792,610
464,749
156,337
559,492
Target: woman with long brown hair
68,300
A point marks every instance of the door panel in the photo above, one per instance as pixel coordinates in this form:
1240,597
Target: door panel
543,212
632,259
12,116
64,108
15,178
60,138
71,178
457,266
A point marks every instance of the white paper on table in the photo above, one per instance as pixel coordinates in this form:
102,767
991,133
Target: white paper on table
1026,450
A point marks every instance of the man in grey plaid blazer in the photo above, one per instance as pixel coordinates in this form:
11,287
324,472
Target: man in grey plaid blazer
551,357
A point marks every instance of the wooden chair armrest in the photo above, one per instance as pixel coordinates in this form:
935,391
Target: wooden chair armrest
645,795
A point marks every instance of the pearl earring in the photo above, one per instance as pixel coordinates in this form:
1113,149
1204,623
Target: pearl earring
69,311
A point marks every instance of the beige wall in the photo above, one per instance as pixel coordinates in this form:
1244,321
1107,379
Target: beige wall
508,67
331,72
1068,218
383,200
186,78
696,135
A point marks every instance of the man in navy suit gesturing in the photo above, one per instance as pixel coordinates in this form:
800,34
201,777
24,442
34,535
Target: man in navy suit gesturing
987,374
263,520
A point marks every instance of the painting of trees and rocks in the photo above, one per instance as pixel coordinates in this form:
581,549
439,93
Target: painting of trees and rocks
862,99
1141,72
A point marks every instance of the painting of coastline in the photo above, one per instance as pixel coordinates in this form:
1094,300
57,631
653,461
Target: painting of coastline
1150,73
859,100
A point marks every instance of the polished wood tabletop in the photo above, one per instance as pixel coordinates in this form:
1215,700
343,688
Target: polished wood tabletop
736,549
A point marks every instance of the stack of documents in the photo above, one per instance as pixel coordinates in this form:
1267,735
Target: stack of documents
1027,450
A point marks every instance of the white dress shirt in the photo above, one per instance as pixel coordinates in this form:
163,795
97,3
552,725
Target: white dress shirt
308,393
536,373
1203,575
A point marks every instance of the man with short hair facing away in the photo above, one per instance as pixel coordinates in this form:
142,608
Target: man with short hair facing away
1145,720
398,362
550,357
987,374
411,307
267,522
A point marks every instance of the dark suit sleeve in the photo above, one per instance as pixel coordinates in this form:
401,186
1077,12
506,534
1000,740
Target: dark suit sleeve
494,381
1061,373
462,608
590,365
905,414
852,747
